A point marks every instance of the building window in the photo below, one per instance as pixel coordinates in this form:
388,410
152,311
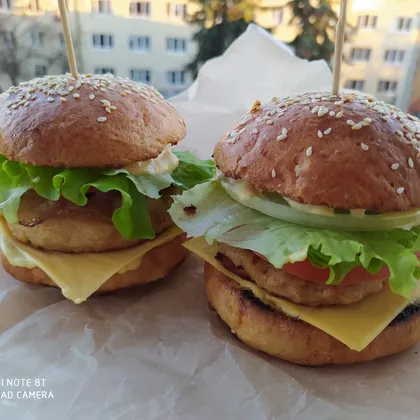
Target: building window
139,43
38,39
103,41
101,6
176,45
7,39
176,10
40,70
66,67
394,56
404,24
141,76
367,21
176,77
278,16
140,8
104,70
62,41
355,84
387,86
361,54
5,5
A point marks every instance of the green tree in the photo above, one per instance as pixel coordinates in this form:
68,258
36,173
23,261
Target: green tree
316,22
220,22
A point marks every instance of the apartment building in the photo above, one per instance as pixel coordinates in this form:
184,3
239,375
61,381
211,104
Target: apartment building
149,41
383,56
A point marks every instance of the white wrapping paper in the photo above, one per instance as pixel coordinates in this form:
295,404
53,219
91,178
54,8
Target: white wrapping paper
158,352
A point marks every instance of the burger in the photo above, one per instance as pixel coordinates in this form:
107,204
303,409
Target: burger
86,178
310,228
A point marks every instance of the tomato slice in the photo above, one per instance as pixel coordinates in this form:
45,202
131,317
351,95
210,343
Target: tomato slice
305,270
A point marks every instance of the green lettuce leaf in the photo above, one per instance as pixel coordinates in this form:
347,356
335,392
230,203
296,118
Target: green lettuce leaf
217,216
131,219
192,171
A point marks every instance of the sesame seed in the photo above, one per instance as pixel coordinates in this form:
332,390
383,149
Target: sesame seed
113,108
410,163
269,122
309,151
282,137
350,122
123,94
101,119
315,109
339,114
327,131
322,111
367,120
320,135
409,136
50,99
273,111
76,96
409,128
71,88
395,166
105,102
357,126
284,131
107,109
332,114
306,108
400,190
64,93
26,104
78,85
104,90
92,97
255,131
400,133
273,173
63,99
364,146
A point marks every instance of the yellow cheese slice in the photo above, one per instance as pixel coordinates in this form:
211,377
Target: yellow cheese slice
79,275
355,325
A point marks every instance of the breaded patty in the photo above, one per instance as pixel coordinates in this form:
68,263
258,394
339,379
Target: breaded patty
291,287
63,226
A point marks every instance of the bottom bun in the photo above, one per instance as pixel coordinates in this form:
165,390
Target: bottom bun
274,333
157,263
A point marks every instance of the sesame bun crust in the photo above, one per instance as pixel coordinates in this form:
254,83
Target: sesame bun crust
296,341
364,155
95,121
156,264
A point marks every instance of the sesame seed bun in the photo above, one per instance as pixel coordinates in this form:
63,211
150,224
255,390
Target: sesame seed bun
272,332
94,121
156,264
347,151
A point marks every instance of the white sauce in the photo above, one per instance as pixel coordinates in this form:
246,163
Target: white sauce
165,163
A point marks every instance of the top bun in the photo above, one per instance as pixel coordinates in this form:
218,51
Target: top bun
94,121
348,151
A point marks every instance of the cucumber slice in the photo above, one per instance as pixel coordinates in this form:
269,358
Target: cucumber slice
317,216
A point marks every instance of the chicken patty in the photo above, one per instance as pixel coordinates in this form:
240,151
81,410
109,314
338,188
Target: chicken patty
64,226
301,291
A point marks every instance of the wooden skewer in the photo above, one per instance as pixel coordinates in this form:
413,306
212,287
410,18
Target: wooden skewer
67,36
339,41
